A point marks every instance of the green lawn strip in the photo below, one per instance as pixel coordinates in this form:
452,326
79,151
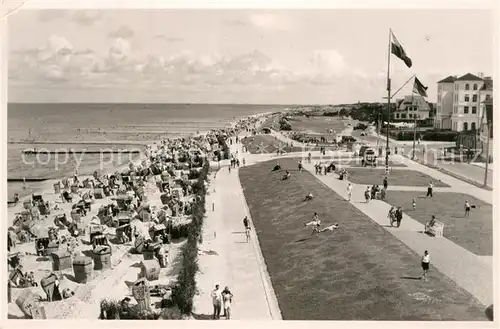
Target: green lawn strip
317,124
354,273
368,176
262,144
474,233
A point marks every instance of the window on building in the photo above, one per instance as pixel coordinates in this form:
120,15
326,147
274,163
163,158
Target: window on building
410,115
466,86
474,98
473,126
488,97
474,110
466,97
397,115
466,126
475,86
466,109
439,97
403,115
456,86
456,97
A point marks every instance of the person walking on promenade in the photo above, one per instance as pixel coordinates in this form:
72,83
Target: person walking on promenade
392,216
385,183
227,299
300,166
429,190
309,157
399,216
247,228
367,194
414,204
230,168
216,302
426,260
349,191
467,208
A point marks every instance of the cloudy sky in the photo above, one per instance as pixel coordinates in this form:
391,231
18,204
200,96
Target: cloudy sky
237,56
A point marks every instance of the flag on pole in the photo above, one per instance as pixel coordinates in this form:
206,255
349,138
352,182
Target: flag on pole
397,49
419,88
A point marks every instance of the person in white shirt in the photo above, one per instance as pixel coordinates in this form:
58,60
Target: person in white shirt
426,260
429,190
349,191
216,302
467,208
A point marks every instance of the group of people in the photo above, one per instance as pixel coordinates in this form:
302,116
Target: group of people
221,301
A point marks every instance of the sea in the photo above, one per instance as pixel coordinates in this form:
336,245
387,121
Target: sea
94,127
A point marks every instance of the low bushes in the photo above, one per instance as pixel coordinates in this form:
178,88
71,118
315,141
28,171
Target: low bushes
429,135
360,126
184,289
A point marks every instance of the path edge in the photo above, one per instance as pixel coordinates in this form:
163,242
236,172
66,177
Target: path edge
272,300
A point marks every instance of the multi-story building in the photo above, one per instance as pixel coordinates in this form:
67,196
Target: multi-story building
459,102
413,107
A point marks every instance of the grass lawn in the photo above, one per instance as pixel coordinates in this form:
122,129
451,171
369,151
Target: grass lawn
369,176
261,144
474,233
358,272
317,124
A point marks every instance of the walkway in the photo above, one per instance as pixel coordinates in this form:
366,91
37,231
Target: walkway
473,273
237,264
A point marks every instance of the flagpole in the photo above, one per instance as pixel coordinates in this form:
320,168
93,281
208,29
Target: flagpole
404,84
387,150
414,127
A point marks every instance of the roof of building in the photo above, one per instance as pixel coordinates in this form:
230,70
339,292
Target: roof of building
447,79
469,77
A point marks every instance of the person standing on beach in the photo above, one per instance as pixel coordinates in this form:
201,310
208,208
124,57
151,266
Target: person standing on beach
349,191
426,260
385,183
429,190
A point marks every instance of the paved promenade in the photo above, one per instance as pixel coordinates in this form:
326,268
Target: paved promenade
238,264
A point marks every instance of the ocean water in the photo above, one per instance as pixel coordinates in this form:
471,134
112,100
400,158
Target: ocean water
116,126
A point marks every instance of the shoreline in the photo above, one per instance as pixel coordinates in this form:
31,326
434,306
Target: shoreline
47,191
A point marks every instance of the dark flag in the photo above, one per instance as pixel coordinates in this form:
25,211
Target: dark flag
419,88
397,49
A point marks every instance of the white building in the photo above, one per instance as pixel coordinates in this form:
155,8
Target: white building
459,102
410,108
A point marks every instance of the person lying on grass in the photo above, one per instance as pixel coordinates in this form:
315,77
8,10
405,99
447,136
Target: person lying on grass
277,167
287,175
316,224
309,197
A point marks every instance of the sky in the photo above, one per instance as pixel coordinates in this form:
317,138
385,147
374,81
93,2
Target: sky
284,56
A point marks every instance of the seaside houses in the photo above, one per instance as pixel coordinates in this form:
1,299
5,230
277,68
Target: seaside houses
465,105
412,107
459,102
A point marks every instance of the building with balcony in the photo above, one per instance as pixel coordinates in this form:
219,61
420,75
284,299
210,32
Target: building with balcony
459,102
413,107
